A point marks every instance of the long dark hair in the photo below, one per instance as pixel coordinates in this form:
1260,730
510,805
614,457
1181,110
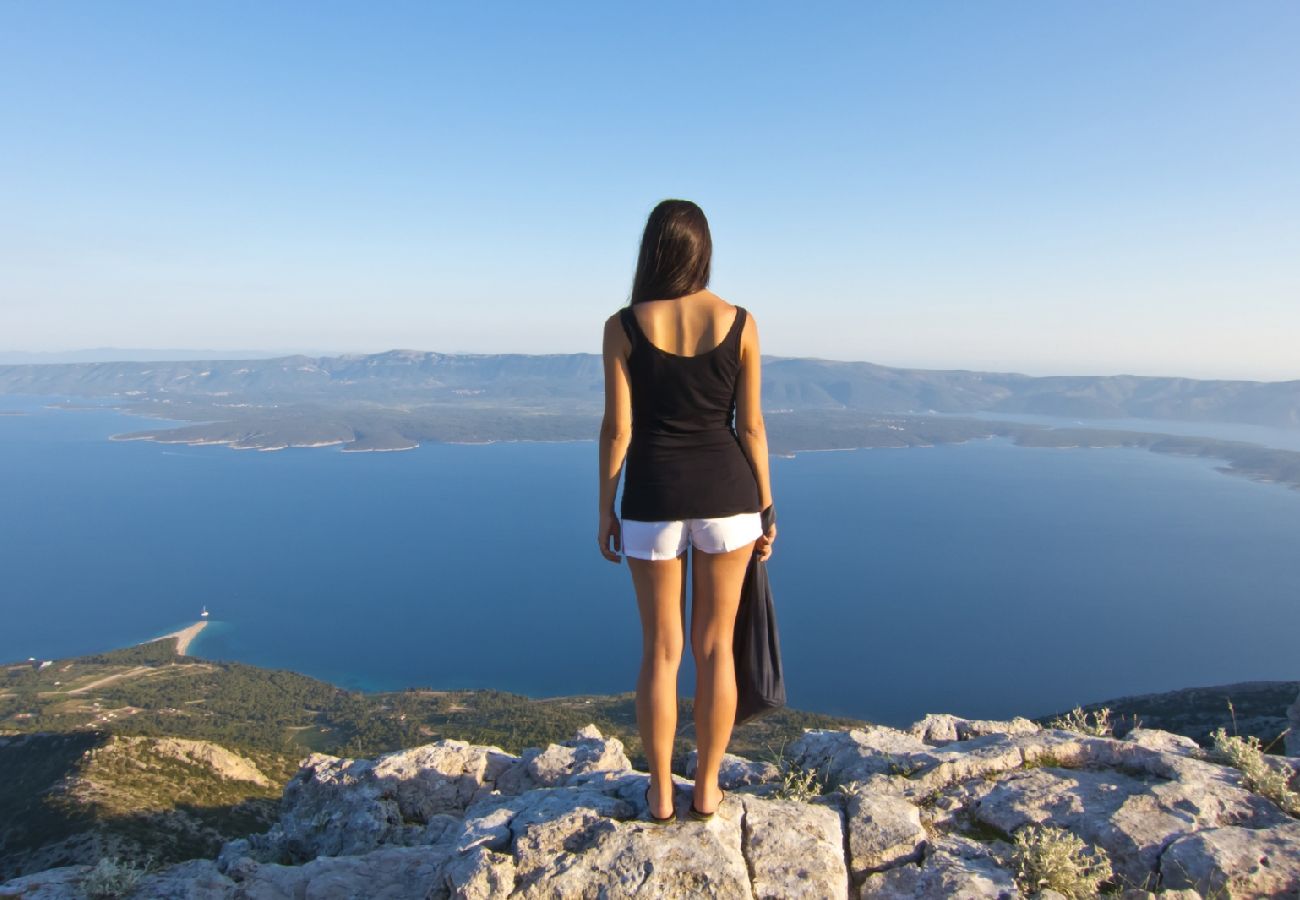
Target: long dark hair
676,253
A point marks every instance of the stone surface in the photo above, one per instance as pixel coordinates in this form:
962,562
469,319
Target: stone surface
794,849
736,771
883,830
944,728
951,868
923,814
1236,862
1153,739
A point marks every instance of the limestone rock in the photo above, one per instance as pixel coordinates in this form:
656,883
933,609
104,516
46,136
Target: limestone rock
883,831
1167,741
52,884
389,873
1131,817
480,875
455,820
197,879
336,807
944,728
794,849
736,771
1236,862
223,762
951,868
587,752
578,855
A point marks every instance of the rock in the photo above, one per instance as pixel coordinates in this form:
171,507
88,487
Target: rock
736,771
52,884
587,752
1131,817
943,728
336,807
883,831
389,873
455,820
1167,741
480,875
579,855
223,762
846,756
951,868
197,879
1236,862
1293,728
794,849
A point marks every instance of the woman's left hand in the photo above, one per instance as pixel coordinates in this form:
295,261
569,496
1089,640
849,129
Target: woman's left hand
763,546
610,537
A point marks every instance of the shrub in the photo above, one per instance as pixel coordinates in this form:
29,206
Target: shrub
1247,755
113,878
1047,857
1096,723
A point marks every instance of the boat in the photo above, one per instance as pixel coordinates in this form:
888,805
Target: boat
204,614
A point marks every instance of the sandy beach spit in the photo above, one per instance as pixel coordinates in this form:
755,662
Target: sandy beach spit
185,636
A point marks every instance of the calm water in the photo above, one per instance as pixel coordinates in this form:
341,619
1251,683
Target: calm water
981,579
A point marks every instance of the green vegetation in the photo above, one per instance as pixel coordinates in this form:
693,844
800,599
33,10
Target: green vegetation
1053,858
1247,755
112,878
1095,724
82,777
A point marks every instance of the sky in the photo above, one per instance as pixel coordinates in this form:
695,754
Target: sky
1050,188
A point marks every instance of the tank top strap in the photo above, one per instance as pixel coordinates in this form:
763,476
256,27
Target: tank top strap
627,317
737,327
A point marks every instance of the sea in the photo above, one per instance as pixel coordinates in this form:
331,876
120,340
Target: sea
981,579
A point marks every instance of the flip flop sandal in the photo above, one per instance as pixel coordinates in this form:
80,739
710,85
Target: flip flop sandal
703,816
653,818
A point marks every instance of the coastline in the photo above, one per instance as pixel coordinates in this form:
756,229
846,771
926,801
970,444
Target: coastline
184,637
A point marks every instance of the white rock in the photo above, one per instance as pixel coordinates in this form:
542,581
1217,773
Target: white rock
952,869
944,728
1154,739
883,831
1236,862
736,771
794,849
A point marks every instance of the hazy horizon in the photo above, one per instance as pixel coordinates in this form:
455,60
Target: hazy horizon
182,354
1049,189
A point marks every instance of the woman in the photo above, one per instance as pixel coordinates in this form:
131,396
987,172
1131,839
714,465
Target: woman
680,363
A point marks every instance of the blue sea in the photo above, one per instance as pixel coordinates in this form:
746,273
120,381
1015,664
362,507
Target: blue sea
982,579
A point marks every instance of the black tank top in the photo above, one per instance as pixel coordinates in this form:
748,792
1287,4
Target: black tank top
684,460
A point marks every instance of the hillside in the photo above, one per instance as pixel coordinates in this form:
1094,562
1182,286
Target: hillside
947,808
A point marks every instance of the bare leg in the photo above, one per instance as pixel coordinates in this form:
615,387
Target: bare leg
661,598
716,586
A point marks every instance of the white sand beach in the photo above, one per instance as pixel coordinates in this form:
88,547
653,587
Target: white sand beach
186,636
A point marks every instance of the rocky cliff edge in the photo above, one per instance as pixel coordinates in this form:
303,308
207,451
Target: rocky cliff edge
932,811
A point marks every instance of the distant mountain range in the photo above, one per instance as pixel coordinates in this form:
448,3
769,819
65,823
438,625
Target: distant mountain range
403,398
574,382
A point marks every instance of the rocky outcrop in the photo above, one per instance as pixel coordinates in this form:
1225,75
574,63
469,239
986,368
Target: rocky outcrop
932,811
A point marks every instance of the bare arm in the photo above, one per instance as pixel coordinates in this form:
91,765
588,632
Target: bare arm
749,411
615,434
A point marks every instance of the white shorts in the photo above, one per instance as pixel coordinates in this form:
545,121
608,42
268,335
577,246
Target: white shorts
669,540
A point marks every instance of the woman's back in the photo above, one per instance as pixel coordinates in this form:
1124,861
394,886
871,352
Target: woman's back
684,460
688,326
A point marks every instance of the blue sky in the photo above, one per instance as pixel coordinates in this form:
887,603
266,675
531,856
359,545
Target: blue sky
1043,187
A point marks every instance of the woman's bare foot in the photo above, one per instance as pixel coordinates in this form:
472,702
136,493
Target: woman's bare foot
707,798
659,798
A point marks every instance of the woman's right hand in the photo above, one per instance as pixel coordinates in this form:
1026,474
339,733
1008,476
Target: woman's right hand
763,546
610,537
